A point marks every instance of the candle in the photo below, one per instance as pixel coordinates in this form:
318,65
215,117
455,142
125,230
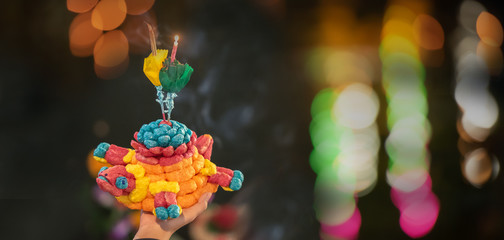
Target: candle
174,50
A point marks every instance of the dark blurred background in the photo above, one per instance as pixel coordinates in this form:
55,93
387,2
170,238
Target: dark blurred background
252,90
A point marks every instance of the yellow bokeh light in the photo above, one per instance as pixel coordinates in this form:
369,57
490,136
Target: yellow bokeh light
398,27
394,43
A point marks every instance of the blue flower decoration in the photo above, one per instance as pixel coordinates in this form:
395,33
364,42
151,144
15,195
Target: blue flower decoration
155,135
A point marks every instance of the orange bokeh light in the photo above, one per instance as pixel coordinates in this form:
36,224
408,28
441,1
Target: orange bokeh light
83,35
477,167
111,72
489,29
111,49
492,57
428,32
136,7
109,14
94,166
81,6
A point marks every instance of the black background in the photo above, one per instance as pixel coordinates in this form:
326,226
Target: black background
250,91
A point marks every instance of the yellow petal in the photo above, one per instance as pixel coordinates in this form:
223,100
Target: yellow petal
153,64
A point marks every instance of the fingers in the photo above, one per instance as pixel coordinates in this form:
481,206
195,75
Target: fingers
201,206
188,215
194,211
205,197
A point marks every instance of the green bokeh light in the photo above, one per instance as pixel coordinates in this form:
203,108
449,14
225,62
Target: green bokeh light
323,101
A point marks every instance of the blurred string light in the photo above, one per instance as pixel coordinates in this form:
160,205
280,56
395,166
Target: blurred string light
490,32
403,74
477,55
346,143
93,32
343,130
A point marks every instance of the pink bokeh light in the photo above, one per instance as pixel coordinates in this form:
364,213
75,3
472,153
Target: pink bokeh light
418,217
404,199
347,230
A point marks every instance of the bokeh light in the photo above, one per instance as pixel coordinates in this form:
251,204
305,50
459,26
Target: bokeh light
418,219
108,14
403,199
345,139
94,166
489,29
81,6
334,201
477,167
345,67
398,12
484,116
468,14
492,57
83,35
398,27
394,43
428,32
101,128
111,49
403,81
323,101
477,57
356,107
347,230
467,45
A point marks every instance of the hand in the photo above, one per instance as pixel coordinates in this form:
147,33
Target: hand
152,227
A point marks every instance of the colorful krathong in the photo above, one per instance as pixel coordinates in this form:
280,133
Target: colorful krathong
169,167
